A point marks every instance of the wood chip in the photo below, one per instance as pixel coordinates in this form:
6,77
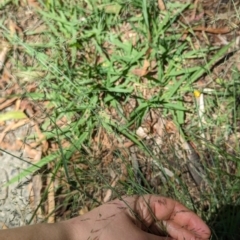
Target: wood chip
51,200
83,210
36,189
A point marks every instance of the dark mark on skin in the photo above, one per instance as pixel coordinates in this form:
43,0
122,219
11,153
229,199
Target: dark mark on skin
195,231
96,238
85,219
94,231
122,208
112,203
104,219
181,211
163,201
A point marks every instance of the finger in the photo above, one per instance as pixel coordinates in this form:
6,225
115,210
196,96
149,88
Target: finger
151,208
186,219
130,227
143,208
180,233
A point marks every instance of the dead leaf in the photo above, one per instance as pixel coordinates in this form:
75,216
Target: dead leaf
33,3
171,127
108,195
41,138
14,29
159,127
161,5
83,210
4,226
30,3
3,56
142,71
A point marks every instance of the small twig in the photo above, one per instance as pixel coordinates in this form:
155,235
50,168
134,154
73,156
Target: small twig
135,165
7,103
193,162
194,10
223,30
51,201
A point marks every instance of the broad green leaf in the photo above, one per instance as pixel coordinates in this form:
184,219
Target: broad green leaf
32,169
168,94
170,106
12,115
112,8
177,72
179,113
145,13
4,3
118,89
207,67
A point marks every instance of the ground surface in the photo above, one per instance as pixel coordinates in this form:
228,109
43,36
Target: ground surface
101,98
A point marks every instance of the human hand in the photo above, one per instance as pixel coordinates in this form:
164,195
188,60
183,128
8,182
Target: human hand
139,218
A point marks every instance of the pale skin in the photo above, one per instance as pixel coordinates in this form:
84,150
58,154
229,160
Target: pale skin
133,218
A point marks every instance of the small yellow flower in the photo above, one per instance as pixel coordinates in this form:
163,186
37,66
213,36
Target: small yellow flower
196,93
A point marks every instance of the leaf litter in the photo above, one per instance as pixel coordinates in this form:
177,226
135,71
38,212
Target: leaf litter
157,131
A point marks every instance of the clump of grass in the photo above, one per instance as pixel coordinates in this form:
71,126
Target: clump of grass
92,58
